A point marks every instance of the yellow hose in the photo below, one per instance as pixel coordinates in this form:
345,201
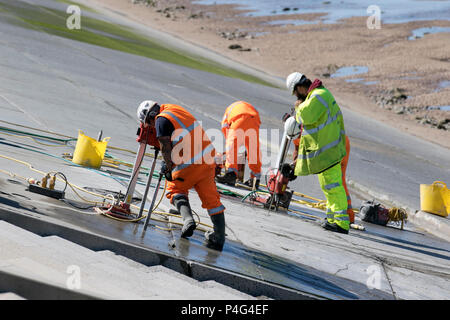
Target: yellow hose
132,152
398,215
318,205
304,214
13,175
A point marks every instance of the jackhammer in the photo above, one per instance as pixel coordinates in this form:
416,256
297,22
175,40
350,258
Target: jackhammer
279,178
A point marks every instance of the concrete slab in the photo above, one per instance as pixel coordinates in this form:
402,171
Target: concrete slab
34,281
100,274
46,264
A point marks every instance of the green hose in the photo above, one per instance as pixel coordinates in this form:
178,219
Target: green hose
248,195
228,192
36,135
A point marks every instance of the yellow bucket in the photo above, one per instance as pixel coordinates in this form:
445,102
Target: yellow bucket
435,198
89,152
446,196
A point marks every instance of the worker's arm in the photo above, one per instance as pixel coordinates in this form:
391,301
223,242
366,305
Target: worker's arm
224,131
166,150
296,141
225,125
164,130
296,147
310,111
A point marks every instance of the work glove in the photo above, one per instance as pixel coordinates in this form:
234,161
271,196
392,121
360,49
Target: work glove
166,172
286,116
287,170
292,175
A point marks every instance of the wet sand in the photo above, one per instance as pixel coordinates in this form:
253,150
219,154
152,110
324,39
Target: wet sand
404,77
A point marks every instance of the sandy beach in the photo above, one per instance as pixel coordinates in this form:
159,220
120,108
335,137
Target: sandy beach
401,80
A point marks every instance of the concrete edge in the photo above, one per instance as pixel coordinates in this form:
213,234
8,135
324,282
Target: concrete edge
7,296
149,257
433,224
242,283
426,221
32,289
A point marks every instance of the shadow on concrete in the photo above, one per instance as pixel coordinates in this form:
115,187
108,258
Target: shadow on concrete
397,245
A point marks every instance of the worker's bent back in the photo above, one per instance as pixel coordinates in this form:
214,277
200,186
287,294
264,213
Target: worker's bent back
191,146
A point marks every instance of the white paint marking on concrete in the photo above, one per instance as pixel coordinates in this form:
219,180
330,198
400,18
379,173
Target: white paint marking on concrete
23,111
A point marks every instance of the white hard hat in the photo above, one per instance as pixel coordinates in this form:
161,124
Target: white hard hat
143,108
291,127
292,80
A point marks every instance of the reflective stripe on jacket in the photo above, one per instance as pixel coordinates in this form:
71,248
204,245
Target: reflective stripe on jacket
323,138
191,145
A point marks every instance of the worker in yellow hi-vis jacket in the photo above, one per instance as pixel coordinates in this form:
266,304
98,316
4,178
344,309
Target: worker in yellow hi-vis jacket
322,146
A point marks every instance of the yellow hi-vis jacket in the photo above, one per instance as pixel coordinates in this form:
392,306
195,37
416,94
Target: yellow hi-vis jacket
322,143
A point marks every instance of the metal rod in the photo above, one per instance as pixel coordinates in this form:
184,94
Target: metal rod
134,176
147,187
155,194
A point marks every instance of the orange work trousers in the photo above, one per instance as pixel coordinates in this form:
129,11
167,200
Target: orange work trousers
344,163
201,178
244,130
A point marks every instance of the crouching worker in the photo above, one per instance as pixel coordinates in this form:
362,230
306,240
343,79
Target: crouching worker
189,157
240,126
322,145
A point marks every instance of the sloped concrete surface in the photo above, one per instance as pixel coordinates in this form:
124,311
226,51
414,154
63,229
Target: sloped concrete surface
238,266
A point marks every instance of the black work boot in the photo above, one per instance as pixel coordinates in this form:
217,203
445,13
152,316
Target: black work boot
228,178
249,183
184,209
333,227
216,239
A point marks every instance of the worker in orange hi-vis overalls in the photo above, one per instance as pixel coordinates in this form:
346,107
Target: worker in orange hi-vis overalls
240,125
344,162
189,157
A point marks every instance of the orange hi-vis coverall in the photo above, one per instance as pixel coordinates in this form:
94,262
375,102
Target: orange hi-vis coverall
344,162
193,159
240,125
